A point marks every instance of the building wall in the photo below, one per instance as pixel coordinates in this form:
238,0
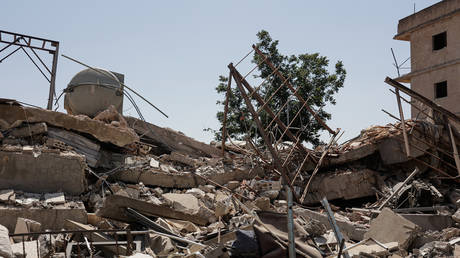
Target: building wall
437,10
422,53
424,84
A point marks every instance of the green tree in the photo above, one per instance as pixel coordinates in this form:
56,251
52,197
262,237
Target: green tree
306,71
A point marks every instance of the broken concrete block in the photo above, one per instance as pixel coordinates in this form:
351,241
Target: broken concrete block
29,130
198,193
232,185
189,204
50,218
80,144
49,172
54,198
262,203
178,157
7,196
154,163
114,207
391,227
454,197
26,226
337,185
161,245
5,245
456,216
120,136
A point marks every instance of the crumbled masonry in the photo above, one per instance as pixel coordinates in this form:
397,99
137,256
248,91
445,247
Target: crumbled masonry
126,187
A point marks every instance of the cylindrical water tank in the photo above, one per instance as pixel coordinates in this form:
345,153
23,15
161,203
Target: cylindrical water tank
90,92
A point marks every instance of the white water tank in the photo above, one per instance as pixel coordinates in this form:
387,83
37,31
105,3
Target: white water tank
92,91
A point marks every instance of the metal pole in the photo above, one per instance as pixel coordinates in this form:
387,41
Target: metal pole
224,125
399,188
290,223
53,78
330,215
403,123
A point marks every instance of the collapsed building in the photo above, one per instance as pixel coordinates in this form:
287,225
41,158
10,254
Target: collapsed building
96,183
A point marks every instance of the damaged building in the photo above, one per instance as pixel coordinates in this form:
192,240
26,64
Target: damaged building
93,182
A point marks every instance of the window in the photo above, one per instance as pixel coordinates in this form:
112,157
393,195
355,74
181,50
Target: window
440,89
440,41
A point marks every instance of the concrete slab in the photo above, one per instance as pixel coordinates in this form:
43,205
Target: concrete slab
435,222
180,179
114,207
47,172
392,227
172,140
342,185
120,136
53,218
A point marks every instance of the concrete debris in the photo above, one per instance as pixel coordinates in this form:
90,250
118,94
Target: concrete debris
391,227
26,226
5,245
168,195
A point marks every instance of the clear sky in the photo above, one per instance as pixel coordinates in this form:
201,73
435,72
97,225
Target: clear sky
172,52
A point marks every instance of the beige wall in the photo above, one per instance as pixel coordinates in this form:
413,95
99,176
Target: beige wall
422,54
424,84
439,9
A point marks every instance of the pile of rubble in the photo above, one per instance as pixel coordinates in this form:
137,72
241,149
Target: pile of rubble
119,186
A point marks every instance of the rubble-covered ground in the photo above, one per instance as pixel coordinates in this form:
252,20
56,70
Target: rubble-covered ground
118,186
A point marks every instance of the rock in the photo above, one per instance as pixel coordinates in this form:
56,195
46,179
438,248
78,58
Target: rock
232,185
272,194
456,216
5,245
391,227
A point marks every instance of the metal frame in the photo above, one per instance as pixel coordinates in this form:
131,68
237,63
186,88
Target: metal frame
32,43
88,242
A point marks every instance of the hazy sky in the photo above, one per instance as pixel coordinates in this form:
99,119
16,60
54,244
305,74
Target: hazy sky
172,52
